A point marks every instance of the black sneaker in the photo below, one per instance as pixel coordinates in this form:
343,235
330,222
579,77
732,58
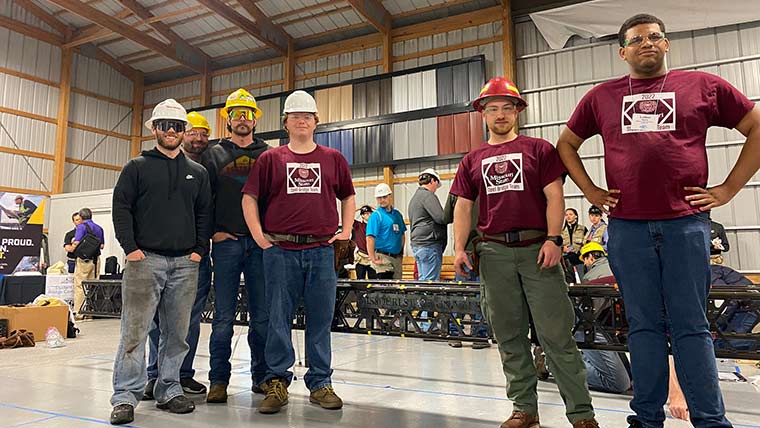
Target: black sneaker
148,393
122,414
179,404
191,386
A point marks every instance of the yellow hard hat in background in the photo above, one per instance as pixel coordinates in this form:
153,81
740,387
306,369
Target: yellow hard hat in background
592,246
198,121
240,98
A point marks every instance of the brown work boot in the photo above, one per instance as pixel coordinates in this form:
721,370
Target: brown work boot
586,423
217,393
327,398
262,388
521,420
277,396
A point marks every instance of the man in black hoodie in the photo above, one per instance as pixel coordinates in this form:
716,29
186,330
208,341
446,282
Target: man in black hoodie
161,216
234,250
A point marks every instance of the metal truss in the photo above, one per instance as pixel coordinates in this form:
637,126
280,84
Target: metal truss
451,311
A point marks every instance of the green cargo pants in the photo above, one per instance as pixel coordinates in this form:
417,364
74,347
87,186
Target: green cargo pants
511,282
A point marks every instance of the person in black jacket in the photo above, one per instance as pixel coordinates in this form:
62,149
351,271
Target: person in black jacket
68,240
234,250
161,215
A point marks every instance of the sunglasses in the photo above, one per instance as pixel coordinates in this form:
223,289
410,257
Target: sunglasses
653,37
166,125
241,114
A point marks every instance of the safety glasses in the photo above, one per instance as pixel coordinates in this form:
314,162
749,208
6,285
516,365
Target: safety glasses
241,114
166,125
653,37
202,134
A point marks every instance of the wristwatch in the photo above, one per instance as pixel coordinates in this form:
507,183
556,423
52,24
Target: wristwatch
556,239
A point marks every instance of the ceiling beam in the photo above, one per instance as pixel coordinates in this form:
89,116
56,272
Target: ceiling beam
263,29
47,18
28,30
374,12
183,47
94,32
87,50
168,51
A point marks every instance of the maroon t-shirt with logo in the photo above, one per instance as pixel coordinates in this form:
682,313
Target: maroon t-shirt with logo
654,136
298,192
510,180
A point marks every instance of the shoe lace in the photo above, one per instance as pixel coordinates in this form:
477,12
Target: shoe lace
588,423
518,415
277,389
328,390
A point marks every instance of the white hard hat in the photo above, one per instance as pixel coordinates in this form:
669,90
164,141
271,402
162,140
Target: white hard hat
300,102
432,172
382,189
168,109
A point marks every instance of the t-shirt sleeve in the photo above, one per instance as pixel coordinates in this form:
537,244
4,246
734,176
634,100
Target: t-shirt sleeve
402,222
583,120
69,236
463,185
372,224
550,164
81,231
257,184
730,104
345,186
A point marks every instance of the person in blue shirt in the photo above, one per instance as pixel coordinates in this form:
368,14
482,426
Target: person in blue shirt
85,269
385,236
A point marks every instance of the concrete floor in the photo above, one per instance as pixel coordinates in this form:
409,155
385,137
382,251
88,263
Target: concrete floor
384,381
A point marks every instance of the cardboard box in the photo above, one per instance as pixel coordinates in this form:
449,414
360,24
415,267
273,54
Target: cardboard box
36,319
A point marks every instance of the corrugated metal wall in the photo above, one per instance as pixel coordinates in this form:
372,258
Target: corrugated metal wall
554,81
489,34
247,79
29,56
334,62
100,79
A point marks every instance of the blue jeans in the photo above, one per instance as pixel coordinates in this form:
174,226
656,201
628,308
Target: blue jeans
186,371
429,259
663,271
292,276
156,283
231,258
605,370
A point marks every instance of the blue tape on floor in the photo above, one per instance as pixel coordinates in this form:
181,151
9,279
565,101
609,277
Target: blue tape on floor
61,415
36,421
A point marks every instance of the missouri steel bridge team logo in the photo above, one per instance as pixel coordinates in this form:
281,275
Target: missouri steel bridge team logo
304,178
503,173
651,112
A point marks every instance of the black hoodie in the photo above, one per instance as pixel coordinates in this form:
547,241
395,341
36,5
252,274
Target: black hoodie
162,205
228,166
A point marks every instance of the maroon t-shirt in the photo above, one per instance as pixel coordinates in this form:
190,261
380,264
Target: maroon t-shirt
297,192
510,180
654,136
360,235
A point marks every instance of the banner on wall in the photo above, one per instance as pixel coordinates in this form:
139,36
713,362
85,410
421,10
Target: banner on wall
21,218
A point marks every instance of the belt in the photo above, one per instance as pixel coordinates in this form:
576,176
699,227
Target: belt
517,238
297,239
395,256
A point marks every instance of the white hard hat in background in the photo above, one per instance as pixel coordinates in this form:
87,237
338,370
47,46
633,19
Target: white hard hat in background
432,172
168,109
382,189
300,102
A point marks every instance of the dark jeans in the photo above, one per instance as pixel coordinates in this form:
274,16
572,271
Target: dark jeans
186,371
231,258
663,271
293,276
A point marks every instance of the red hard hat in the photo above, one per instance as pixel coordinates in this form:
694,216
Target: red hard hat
499,87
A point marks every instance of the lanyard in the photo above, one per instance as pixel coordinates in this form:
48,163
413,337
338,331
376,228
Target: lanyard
657,103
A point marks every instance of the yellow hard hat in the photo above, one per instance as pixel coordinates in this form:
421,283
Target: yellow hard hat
592,246
198,121
240,98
